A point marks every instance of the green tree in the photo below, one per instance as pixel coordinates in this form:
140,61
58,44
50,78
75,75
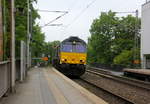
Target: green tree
52,48
37,42
125,58
21,27
21,23
111,37
47,49
125,33
102,34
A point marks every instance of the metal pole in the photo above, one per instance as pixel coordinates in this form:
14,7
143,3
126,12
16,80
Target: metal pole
28,34
136,40
4,29
1,33
31,28
137,33
12,28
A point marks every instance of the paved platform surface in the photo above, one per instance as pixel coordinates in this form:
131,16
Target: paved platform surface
138,71
48,86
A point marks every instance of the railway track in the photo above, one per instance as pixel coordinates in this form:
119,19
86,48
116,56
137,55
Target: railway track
102,93
129,90
123,79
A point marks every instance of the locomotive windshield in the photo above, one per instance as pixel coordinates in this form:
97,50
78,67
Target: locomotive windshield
79,48
73,48
66,48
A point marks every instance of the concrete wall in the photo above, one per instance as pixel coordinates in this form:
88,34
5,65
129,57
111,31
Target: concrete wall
145,37
145,33
5,77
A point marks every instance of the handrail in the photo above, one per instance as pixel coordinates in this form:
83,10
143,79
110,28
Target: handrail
4,62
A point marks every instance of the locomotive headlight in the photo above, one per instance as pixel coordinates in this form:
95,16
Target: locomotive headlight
74,42
62,59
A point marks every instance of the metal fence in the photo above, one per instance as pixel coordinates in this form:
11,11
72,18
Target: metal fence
108,67
148,63
23,61
5,71
5,79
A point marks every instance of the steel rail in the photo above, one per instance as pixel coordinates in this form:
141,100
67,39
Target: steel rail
133,82
137,89
116,95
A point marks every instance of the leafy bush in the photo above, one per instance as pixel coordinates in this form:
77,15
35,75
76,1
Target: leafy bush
124,58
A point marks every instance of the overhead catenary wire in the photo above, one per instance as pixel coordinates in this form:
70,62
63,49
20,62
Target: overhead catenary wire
63,27
71,6
77,17
52,11
65,12
55,25
47,24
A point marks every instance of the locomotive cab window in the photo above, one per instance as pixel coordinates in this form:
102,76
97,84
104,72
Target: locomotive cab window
66,48
74,47
79,48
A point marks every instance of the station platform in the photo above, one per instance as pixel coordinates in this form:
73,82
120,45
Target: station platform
138,71
143,74
48,86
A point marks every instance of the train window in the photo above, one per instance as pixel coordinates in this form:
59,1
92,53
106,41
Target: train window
66,48
73,48
80,48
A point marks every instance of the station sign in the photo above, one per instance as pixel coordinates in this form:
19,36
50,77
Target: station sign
45,58
136,61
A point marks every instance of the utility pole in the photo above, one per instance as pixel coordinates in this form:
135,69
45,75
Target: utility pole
136,60
28,33
12,33
1,33
30,28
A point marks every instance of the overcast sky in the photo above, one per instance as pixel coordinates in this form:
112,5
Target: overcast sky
81,14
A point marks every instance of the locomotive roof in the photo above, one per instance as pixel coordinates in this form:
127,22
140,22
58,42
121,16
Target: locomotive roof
74,38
